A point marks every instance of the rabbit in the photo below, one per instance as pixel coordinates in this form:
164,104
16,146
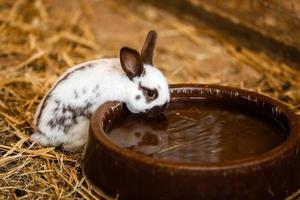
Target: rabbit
62,118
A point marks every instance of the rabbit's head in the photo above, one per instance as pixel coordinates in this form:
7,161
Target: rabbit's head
150,90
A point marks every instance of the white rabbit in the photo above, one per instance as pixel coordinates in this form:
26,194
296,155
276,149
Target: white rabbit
62,118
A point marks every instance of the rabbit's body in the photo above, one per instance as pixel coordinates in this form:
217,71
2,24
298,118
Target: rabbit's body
63,116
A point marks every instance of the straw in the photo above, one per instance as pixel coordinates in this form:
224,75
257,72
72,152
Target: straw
40,39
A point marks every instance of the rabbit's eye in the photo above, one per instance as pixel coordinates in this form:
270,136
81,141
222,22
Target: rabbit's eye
150,94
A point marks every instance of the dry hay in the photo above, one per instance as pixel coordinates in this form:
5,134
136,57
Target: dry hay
35,48
39,40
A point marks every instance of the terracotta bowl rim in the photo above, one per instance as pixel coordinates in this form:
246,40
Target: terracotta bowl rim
265,159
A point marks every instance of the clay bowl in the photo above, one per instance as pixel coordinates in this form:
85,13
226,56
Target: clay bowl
118,171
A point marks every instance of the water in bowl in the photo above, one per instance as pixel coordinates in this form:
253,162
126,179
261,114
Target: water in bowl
199,132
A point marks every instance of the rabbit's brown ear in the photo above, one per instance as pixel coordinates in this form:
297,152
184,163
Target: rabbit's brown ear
148,48
131,62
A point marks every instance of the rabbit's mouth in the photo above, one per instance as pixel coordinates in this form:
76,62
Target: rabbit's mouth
156,110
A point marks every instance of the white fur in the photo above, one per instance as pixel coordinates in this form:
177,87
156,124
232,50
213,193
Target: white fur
113,84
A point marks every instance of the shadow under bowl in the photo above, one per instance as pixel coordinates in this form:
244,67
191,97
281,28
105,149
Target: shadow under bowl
274,174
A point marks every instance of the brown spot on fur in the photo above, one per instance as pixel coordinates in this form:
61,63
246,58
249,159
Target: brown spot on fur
96,88
57,102
60,121
76,94
57,106
52,124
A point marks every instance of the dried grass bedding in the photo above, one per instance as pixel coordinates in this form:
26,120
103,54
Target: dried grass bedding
41,39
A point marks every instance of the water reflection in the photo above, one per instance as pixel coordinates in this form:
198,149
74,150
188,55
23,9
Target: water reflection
198,134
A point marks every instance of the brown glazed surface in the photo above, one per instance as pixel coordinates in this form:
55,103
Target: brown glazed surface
132,175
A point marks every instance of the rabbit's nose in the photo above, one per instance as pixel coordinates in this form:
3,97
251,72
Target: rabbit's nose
156,110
